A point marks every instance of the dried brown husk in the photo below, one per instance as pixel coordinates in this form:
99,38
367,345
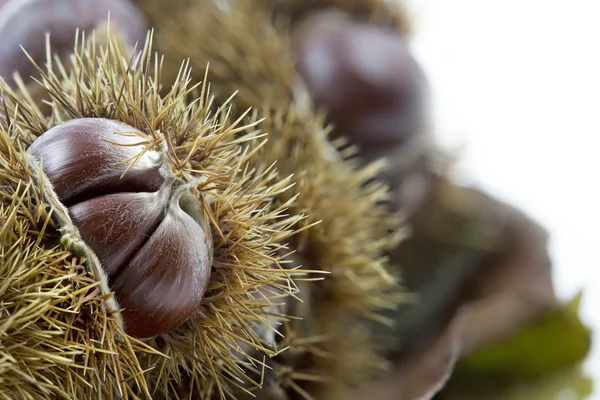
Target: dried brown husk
58,338
482,274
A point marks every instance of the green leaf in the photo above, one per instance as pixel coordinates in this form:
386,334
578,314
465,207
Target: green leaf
556,340
570,383
540,362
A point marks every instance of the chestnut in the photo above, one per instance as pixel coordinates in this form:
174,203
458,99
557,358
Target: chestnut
366,79
26,22
144,224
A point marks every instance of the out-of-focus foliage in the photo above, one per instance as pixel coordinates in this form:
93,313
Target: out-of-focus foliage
541,361
556,340
568,384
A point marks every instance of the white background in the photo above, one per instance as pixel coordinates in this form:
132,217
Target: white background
518,83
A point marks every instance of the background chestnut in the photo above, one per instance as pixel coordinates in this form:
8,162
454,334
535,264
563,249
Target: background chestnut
26,22
367,80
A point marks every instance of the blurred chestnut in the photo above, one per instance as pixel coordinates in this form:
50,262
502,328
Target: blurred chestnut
26,22
367,80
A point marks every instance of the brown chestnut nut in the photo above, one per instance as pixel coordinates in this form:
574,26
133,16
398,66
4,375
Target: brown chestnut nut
26,22
366,79
85,162
144,224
